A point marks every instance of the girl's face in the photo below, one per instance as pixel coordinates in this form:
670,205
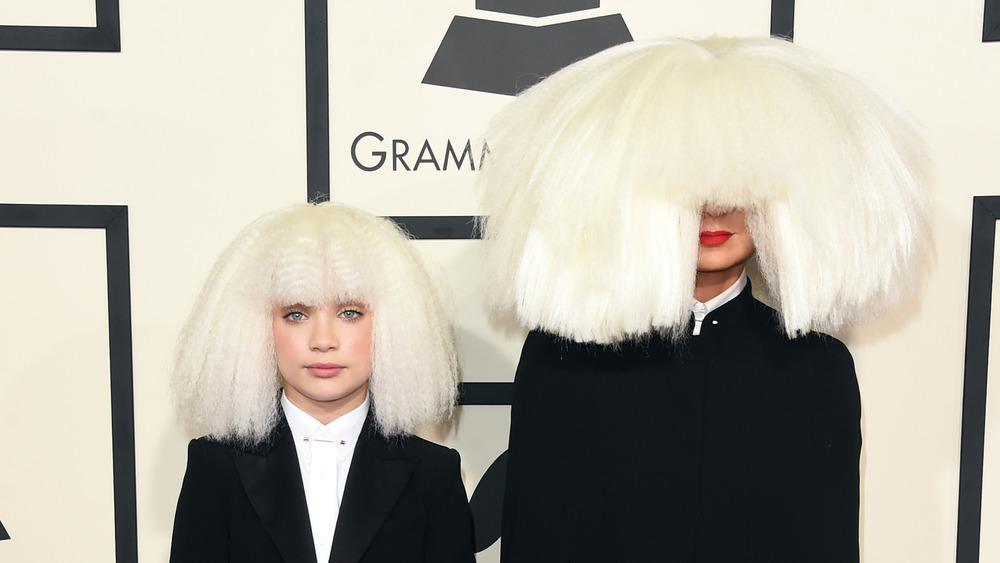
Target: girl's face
324,356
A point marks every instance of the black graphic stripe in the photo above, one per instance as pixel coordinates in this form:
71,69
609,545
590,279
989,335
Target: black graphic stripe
985,213
439,227
486,393
106,36
783,19
114,220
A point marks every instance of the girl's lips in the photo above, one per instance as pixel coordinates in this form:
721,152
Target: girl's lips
324,369
714,238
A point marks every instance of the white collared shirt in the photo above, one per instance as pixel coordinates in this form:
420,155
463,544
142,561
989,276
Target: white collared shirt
325,452
701,310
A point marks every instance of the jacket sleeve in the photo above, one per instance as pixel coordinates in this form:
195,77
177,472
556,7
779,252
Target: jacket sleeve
449,536
201,532
825,479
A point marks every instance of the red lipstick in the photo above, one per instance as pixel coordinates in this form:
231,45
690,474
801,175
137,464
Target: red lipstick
714,238
324,369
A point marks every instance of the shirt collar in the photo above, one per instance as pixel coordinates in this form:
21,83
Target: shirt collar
345,427
700,310
726,296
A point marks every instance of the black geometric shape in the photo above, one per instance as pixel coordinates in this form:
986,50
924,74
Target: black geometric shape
991,21
114,220
3,533
106,36
486,393
985,213
439,227
506,58
317,101
536,8
783,19
487,503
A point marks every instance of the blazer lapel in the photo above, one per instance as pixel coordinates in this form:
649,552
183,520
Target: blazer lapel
378,475
272,481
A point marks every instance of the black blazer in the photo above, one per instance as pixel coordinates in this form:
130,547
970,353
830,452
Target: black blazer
403,501
740,444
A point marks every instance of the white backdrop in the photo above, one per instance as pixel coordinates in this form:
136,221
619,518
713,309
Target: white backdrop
198,126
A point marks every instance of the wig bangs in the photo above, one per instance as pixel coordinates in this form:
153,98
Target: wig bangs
598,176
315,261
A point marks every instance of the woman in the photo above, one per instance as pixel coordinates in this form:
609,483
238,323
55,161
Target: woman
660,412
317,346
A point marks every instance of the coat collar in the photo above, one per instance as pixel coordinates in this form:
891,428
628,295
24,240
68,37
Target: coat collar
737,312
273,483
379,473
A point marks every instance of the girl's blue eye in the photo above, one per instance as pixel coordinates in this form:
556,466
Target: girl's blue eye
351,314
295,316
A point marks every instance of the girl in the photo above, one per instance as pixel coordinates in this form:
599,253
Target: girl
317,346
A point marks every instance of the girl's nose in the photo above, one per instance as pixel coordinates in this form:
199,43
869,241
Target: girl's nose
324,335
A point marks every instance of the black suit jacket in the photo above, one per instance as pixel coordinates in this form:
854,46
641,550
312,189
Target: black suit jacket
403,501
738,445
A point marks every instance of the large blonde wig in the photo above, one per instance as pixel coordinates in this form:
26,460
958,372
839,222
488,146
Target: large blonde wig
225,380
598,176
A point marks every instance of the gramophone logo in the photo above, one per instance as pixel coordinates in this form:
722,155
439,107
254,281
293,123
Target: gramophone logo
505,58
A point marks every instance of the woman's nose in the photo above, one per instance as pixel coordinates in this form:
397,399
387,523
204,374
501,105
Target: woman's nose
715,212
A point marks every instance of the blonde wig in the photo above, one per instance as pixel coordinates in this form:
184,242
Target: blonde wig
225,380
599,174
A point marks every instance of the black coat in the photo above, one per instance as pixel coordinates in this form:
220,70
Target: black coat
733,446
403,501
